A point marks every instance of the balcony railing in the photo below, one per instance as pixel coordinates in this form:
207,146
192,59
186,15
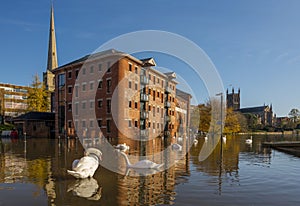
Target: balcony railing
168,118
144,133
144,114
168,90
167,133
167,104
144,79
144,97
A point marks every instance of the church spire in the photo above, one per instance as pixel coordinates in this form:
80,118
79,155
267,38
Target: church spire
52,54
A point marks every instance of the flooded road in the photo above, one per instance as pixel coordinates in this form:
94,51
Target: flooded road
34,173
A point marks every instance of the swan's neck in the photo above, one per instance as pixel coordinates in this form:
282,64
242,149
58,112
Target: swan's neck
126,159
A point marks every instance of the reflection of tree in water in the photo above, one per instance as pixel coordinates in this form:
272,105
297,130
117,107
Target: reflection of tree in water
211,165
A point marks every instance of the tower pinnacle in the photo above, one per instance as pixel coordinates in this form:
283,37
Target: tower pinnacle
52,54
48,76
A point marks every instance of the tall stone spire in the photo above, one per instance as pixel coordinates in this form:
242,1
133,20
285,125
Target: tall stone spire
52,54
48,76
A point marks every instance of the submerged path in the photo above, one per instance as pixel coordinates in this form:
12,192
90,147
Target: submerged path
290,147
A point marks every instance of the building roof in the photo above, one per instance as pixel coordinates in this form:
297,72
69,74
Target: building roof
36,116
183,94
253,109
13,85
101,54
148,62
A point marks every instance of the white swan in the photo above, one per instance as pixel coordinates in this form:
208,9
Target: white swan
142,164
123,147
87,165
249,141
179,139
195,141
176,147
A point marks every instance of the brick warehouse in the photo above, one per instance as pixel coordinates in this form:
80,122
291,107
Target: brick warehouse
147,102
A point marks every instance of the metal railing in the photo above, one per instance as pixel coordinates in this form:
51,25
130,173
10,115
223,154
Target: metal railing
144,97
144,114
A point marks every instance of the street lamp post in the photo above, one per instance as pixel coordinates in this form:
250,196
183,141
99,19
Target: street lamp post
221,149
221,94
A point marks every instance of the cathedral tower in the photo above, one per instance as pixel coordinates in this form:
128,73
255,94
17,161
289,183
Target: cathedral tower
233,100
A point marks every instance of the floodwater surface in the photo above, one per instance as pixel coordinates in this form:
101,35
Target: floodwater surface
34,173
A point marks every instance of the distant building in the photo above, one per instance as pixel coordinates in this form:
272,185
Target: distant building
36,124
264,114
233,100
13,100
183,109
280,121
148,105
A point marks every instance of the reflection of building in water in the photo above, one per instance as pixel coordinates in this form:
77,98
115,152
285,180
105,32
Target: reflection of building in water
147,190
17,166
130,98
13,168
48,172
153,189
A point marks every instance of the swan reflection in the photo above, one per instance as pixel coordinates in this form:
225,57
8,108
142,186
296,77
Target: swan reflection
87,188
141,171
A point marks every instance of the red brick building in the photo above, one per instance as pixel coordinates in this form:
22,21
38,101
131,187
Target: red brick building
131,98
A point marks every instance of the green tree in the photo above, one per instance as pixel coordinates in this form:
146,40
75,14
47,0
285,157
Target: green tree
242,121
234,121
205,116
38,96
253,121
194,125
295,115
232,124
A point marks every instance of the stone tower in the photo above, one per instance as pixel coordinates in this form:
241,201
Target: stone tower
233,100
48,76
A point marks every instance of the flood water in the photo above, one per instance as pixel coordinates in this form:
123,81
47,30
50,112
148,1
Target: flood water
34,173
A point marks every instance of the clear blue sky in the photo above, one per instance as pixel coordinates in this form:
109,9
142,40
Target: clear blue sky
254,44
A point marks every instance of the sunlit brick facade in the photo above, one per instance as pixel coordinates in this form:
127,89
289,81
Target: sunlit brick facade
132,99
